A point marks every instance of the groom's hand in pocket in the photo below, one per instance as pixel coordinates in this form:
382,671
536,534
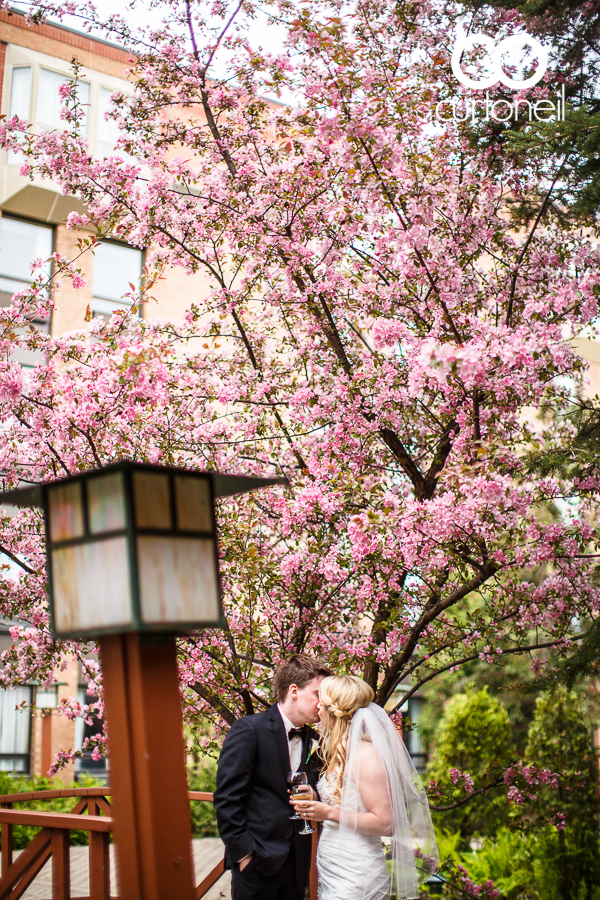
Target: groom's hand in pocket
245,861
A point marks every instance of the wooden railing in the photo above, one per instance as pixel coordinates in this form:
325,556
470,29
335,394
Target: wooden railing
53,842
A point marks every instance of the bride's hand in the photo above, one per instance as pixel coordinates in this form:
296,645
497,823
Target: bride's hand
313,810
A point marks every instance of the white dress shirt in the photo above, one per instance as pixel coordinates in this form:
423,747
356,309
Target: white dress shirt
294,745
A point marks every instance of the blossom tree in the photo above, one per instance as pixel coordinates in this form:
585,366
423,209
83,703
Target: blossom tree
375,330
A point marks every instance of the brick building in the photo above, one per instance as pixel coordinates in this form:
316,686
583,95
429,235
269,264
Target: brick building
34,61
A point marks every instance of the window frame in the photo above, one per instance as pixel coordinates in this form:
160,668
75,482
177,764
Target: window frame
38,224
34,103
28,359
24,756
18,56
111,305
99,768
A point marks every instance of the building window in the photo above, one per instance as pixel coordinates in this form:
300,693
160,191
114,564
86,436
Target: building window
85,765
15,730
411,709
20,244
108,131
116,268
20,93
412,738
20,104
35,98
49,102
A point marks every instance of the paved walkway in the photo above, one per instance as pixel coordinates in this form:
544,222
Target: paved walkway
207,853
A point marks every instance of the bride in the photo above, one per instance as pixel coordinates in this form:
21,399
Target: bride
369,789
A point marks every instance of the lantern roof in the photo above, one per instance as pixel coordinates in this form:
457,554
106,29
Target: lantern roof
223,485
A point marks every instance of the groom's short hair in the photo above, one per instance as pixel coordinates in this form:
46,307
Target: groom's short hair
298,669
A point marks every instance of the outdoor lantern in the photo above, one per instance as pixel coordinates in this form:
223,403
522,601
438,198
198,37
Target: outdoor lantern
133,547
131,551
435,883
46,698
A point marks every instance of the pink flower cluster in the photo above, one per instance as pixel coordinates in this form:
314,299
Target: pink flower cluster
485,891
456,775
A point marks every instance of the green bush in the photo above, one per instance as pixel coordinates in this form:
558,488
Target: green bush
560,739
17,784
500,682
506,861
474,734
539,861
522,866
204,818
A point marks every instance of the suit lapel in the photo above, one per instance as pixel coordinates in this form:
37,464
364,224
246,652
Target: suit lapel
308,738
280,738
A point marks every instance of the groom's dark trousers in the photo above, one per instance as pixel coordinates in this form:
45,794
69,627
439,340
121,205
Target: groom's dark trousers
253,809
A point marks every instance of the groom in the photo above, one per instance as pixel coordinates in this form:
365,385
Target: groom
268,858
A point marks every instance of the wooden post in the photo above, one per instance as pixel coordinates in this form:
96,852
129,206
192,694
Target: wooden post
61,871
7,842
314,879
152,823
99,859
46,741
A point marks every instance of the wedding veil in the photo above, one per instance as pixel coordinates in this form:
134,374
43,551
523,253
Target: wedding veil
414,853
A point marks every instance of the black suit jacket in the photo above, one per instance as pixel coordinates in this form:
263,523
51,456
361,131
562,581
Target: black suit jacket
252,800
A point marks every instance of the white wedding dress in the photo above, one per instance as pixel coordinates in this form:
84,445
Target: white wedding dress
351,865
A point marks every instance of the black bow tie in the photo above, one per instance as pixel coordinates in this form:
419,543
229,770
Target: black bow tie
297,732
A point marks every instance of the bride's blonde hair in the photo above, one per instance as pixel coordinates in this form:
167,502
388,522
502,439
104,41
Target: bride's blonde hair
341,696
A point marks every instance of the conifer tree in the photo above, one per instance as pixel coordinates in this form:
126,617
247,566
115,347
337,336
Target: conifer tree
560,739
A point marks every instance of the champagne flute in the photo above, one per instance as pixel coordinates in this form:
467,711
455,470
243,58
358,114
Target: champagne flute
296,782
307,827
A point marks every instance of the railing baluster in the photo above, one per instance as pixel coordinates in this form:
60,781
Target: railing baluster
7,842
80,807
61,868
32,872
104,806
210,879
99,867
99,861
313,878
26,866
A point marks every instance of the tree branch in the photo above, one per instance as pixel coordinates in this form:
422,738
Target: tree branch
416,251
393,443
16,560
515,275
213,700
390,680
245,340
438,462
57,457
467,799
476,417
474,656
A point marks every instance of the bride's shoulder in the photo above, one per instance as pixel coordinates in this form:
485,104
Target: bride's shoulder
366,750
368,758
